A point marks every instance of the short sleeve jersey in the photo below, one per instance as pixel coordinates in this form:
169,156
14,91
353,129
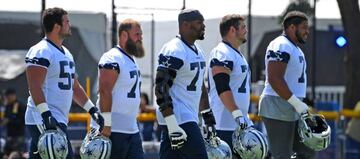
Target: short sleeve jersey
189,64
284,50
58,83
126,91
225,55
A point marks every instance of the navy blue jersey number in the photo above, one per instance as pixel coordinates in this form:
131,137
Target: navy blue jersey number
301,79
67,75
242,88
134,74
198,66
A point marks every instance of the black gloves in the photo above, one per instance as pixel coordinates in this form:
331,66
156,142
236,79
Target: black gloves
97,117
49,121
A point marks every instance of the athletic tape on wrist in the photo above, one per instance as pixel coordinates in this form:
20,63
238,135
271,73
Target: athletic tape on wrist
297,103
171,123
42,107
107,118
236,113
88,105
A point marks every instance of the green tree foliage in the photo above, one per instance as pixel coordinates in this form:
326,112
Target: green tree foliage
299,5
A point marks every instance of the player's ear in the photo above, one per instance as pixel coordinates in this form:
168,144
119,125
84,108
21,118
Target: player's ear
292,26
232,29
124,35
186,24
56,27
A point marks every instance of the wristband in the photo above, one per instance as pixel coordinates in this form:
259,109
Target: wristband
88,105
171,123
42,107
107,118
236,113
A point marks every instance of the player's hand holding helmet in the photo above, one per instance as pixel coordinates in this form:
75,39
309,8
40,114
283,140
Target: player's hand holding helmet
217,148
94,113
53,144
239,119
209,120
249,143
95,146
49,121
176,134
314,131
299,106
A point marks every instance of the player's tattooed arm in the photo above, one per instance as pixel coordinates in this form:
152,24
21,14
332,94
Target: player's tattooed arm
204,100
163,82
207,114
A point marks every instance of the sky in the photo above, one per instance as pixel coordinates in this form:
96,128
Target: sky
209,8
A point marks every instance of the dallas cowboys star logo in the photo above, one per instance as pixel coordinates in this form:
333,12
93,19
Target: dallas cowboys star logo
62,148
166,62
89,152
250,145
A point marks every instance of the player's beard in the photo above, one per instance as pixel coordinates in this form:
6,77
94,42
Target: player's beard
65,34
200,32
243,40
241,37
135,48
299,38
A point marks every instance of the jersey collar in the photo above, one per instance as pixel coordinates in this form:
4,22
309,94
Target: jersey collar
228,44
188,45
289,40
122,51
50,42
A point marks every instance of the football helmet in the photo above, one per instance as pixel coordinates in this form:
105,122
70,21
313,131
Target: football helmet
217,149
249,143
53,144
314,132
95,146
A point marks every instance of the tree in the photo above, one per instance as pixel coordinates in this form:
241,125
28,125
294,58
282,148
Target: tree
350,16
299,5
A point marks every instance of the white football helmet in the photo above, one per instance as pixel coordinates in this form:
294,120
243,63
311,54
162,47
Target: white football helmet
95,146
217,149
314,132
53,144
249,143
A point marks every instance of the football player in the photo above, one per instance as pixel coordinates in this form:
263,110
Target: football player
229,79
50,72
119,91
281,103
180,88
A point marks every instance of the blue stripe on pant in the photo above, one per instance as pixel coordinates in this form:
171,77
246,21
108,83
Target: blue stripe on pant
194,147
126,146
35,133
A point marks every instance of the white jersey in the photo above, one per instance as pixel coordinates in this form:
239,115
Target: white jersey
126,91
282,49
226,56
189,64
58,83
